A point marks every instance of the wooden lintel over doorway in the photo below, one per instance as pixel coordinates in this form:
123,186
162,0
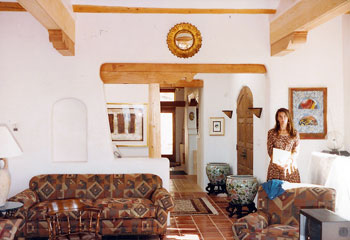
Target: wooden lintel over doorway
167,74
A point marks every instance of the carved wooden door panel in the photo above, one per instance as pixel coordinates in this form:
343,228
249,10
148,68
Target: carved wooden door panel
244,132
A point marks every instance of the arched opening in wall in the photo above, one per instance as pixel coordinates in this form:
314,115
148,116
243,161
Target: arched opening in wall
176,75
244,132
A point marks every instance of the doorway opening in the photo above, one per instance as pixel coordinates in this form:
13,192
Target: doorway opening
167,129
168,124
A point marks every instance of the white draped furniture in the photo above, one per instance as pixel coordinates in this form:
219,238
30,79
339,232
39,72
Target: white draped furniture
333,171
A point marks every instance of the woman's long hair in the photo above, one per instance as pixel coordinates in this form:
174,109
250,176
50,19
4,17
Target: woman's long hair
290,126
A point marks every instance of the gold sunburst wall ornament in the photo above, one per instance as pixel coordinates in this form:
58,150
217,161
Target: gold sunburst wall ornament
184,40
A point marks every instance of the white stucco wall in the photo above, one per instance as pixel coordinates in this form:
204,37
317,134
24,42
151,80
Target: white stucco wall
346,69
319,63
221,92
33,76
128,94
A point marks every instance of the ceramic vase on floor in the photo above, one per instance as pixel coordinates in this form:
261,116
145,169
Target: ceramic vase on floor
242,188
217,173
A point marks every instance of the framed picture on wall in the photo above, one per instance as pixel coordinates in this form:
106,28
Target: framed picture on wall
216,126
308,107
128,124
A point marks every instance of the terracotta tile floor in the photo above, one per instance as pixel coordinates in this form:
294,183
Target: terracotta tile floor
199,227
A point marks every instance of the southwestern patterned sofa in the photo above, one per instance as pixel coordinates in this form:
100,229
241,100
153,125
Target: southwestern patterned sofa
8,228
279,218
131,204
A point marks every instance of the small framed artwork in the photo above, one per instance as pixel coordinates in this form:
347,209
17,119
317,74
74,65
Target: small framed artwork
216,126
308,107
128,124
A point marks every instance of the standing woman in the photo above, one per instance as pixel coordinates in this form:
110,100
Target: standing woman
283,136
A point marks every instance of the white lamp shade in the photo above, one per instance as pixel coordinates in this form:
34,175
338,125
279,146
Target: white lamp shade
8,144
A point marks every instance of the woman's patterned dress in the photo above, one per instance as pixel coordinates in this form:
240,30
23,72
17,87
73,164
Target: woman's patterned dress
284,142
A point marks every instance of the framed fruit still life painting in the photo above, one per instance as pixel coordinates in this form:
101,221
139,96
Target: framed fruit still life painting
308,107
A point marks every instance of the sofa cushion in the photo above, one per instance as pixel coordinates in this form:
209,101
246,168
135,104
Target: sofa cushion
280,230
94,186
285,208
126,208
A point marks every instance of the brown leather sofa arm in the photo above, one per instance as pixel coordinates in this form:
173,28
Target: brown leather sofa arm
162,198
28,198
253,222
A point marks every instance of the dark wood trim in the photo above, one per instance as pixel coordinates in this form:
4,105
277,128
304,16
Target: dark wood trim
173,104
167,90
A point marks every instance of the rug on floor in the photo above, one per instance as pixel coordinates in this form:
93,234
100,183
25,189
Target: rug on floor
193,206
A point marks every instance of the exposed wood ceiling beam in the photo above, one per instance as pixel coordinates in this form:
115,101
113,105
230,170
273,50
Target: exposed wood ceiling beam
116,9
11,7
288,44
302,17
61,42
53,15
168,75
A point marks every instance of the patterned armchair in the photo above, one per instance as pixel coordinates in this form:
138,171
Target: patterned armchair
131,204
8,228
279,218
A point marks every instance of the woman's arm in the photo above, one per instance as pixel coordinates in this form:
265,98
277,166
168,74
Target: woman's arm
270,142
296,147
295,152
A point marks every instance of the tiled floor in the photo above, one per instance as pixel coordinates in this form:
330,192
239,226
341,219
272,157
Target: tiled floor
215,227
206,227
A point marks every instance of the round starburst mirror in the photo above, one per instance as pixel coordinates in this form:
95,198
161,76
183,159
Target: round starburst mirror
184,40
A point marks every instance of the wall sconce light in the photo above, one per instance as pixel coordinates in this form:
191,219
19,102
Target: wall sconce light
256,111
228,113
